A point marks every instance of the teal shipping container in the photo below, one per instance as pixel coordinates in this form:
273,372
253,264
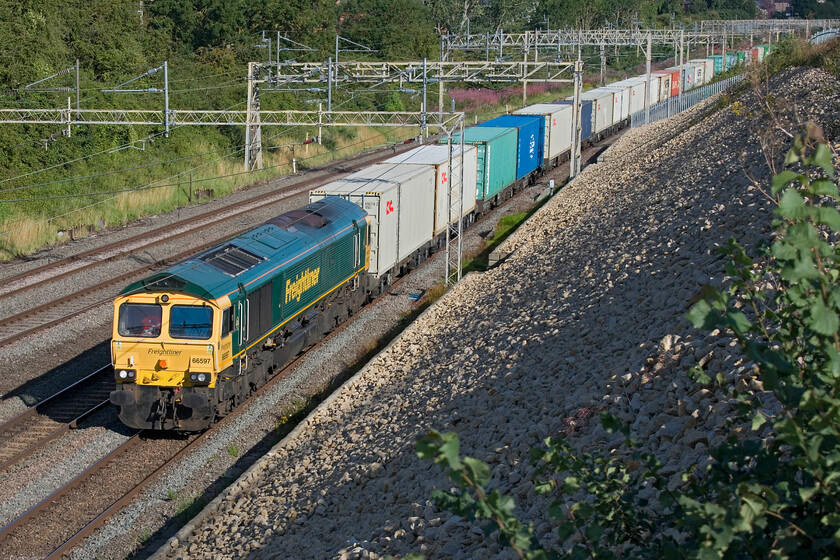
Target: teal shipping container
718,59
497,150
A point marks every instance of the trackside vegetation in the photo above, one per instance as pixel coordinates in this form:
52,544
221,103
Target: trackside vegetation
759,497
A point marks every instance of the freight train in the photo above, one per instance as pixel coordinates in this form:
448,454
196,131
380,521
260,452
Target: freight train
193,341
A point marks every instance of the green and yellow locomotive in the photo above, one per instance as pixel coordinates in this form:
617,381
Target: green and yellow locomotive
190,343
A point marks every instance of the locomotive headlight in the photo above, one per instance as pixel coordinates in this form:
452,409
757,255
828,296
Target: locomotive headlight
200,378
126,375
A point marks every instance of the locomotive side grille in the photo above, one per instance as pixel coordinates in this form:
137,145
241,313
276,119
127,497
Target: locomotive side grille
231,259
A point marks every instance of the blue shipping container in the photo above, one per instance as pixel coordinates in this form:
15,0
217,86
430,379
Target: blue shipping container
587,118
531,137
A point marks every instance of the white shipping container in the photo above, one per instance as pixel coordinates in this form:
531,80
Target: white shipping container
400,200
437,157
708,68
636,87
664,86
699,73
558,126
655,91
602,103
621,101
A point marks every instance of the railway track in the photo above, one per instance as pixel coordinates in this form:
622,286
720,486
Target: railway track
31,321
49,528
73,512
35,427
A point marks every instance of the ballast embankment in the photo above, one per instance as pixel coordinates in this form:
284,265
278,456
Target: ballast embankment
586,315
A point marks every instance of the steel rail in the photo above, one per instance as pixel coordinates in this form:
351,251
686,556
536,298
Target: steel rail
58,493
123,501
13,426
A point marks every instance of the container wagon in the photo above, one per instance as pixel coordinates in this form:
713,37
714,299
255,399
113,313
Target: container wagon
670,82
621,102
587,119
530,131
708,72
655,92
602,103
633,90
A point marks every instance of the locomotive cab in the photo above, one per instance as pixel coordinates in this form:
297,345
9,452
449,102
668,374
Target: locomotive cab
168,350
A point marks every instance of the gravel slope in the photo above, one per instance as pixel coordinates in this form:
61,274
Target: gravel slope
586,314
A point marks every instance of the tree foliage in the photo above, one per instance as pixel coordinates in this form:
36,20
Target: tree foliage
828,9
396,29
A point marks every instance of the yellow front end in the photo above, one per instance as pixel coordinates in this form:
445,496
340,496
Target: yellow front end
167,351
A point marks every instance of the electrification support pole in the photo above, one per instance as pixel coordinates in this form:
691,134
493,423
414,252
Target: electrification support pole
460,191
166,98
78,99
648,56
524,70
423,130
449,200
329,83
574,164
249,96
681,78
253,134
455,210
440,88
603,65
